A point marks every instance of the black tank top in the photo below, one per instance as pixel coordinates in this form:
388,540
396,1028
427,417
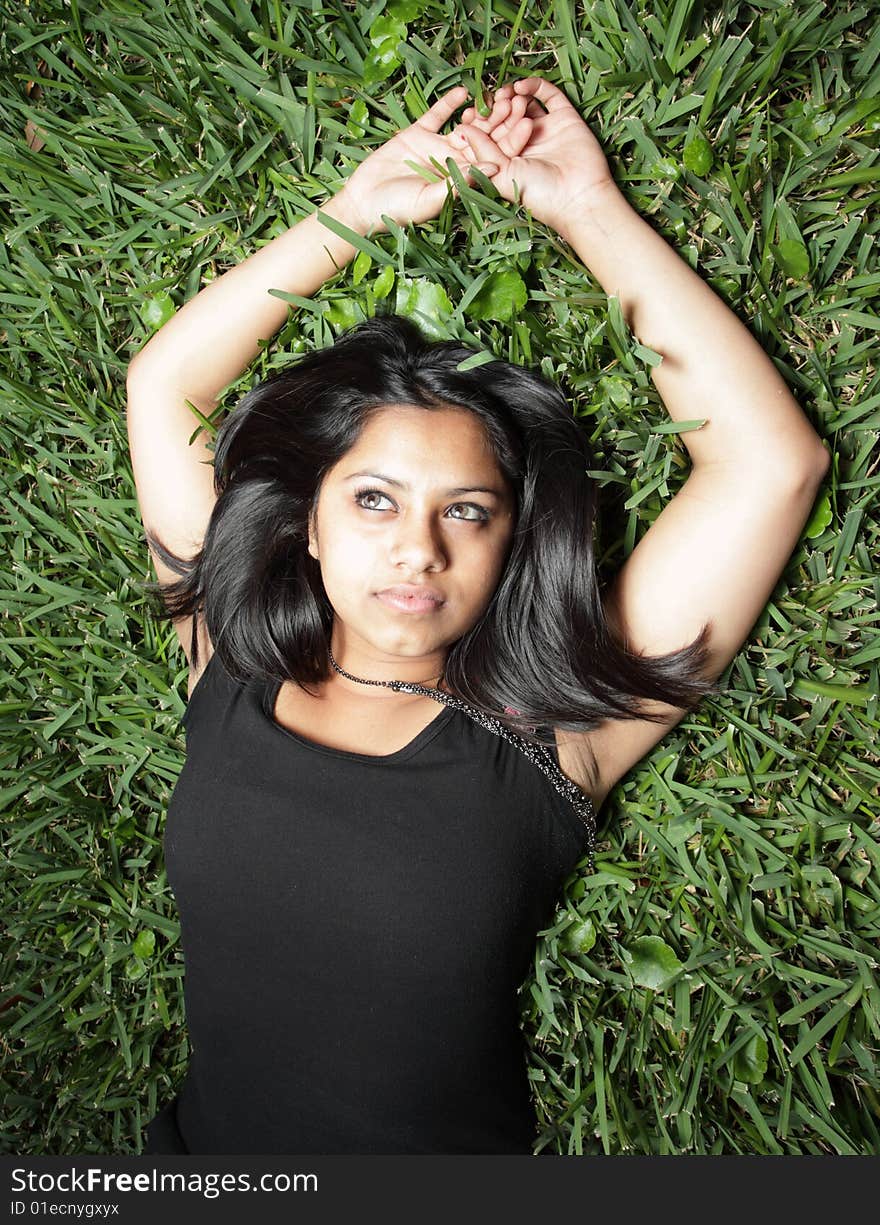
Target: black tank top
355,930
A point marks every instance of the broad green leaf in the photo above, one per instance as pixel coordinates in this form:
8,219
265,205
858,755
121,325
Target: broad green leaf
156,312
135,968
427,302
581,937
698,156
501,296
750,1061
821,516
361,266
344,313
725,286
144,944
666,168
792,258
385,29
617,390
652,963
405,10
357,119
381,62
383,282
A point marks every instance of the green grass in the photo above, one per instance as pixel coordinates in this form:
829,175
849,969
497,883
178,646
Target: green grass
176,139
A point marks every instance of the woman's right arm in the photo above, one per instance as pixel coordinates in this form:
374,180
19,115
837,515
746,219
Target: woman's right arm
212,339
203,348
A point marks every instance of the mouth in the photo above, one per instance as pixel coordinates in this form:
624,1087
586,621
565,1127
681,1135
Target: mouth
412,599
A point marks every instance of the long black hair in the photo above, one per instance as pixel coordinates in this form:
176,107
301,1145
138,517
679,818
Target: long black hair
542,655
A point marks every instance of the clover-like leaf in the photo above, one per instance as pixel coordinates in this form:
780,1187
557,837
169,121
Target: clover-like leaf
381,61
144,944
698,156
750,1061
135,968
156,311
581,937
344,313
385,28
792,258
666,168
383,282
361,266
357,119
652,963
500,297
406,10
821,516
428,301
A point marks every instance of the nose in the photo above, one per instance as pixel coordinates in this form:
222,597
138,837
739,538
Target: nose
417,544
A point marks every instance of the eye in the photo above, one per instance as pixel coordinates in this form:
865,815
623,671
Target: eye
369,493
472,512
479,513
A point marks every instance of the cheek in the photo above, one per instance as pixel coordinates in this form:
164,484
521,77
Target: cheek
346,555
486,571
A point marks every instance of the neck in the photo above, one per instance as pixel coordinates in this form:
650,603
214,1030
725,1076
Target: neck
364,665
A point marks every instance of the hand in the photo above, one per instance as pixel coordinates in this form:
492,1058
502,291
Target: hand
550,155
384,183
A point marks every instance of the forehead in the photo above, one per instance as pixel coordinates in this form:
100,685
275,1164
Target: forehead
425,438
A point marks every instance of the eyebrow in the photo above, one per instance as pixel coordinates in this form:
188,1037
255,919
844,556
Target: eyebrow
389,480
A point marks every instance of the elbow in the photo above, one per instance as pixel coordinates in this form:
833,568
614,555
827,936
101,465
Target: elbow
823,461
814,468
811,466
135,369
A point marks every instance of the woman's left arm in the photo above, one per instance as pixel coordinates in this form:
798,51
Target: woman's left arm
717,549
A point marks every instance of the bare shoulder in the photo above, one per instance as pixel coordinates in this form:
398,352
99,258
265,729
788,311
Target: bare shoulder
598,759
710,561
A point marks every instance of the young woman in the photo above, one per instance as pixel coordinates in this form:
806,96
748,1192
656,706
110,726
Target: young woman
407,696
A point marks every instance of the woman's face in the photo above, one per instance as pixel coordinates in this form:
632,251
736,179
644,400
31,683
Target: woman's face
419,502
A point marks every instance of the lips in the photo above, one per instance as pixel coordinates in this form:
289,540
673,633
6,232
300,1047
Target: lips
412,597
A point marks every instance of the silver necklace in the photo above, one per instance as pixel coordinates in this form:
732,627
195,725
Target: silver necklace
539,755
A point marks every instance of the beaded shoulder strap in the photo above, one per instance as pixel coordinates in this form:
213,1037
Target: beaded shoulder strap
539,755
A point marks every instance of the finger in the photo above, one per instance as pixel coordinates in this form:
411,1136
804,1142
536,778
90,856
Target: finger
484,147
533,108
445,106
492,125
519,135
467,161
517,108
488,169
511,137
552,97
488,122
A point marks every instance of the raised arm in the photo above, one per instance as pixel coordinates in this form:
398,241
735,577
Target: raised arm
716,551
213,338
199,352
718,548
